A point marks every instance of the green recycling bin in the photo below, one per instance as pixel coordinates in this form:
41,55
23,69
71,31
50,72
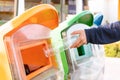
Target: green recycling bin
58,35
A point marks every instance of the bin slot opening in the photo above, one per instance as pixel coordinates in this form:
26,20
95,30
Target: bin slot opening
81,51
34,57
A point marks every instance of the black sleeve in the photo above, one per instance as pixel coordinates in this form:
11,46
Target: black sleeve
104,34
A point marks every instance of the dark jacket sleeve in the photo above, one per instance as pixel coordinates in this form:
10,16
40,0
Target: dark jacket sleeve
104,34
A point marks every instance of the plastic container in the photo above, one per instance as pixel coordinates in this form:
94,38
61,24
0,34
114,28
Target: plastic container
67,42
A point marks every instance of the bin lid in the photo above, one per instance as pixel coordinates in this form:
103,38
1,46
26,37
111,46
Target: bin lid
98,19
43,14
85,17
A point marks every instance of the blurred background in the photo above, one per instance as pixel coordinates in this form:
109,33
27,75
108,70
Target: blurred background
109,8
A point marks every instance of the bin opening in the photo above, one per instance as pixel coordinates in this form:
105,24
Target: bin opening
81,51
34,57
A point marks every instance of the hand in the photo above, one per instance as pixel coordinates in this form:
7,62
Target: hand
81,39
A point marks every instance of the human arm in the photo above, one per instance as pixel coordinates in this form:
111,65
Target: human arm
100,35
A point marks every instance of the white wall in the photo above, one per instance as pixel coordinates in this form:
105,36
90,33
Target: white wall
112,10
109,8
79,6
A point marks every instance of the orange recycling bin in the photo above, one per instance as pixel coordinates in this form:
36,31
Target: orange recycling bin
25,43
